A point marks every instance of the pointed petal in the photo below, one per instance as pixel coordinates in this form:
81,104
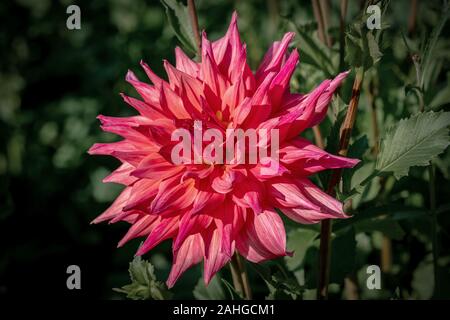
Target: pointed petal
191,223
156,167
263,237
174,195
157,81
122,175
249,194
215,257
274,57
280,84
191,252
326,203
305,159
322,103
141,193
284,192
142,227
166,229
116,208
149,93
185,64
143,108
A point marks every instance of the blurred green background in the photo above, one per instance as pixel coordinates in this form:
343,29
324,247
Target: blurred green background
55,81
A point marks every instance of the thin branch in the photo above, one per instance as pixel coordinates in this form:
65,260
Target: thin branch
412,17
318,137
240,277
325,11
325,231
318,16
236,275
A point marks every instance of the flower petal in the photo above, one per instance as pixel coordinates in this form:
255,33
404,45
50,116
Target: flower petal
191,252
263,237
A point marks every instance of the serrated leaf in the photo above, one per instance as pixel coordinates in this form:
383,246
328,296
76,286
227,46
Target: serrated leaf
361,47
178,16
353,48
314,52
213,291
413,142
374,50
144,285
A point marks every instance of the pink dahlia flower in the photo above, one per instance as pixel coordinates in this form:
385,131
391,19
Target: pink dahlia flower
210,209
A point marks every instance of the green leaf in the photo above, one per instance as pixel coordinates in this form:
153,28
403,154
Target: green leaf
313,51
361,47
413,142
356,150
144,285
390,228
232,291
374,50
178,16
213,291
394,211
423,280
282,284
442,97
342,260
299,241
428,52
343,253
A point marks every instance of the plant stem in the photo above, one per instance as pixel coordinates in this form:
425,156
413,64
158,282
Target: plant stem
412,17
325,10
320,11
240,277
318,16
238,270
318,137
194,25
325,230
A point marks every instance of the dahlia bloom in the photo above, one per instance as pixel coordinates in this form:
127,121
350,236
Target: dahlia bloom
210,210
